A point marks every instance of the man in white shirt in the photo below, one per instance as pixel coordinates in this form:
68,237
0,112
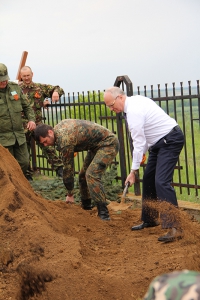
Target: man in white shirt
153,130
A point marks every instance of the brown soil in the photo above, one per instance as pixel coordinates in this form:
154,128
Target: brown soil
53,250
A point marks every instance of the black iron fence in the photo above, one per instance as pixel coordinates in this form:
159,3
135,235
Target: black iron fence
181,102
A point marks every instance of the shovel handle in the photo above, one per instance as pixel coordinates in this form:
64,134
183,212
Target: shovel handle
126,189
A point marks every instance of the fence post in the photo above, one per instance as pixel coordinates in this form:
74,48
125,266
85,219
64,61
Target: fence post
33,154
129,91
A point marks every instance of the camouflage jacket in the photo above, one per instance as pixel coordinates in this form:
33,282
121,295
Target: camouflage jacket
12,103
37,93
176,285
79,135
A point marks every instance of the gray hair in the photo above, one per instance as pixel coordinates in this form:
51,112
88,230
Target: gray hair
25,67
115,91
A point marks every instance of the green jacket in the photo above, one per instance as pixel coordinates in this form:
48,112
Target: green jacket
37,93
12,103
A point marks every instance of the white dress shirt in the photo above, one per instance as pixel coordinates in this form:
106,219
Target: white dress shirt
147,123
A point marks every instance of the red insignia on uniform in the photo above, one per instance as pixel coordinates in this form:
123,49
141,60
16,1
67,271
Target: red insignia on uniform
16,97
37,95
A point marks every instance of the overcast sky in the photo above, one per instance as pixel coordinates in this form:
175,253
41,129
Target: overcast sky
84,45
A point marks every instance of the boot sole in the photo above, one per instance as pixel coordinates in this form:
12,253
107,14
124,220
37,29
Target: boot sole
170,239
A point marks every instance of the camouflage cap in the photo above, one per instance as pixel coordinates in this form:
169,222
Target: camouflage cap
3,73
177,285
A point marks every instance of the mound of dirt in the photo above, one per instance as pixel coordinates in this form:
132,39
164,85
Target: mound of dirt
57,251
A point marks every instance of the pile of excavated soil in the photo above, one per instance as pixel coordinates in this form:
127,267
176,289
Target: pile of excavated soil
53,250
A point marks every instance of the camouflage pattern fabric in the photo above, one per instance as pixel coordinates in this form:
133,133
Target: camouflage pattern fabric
178,285
101,146
93,168
36,93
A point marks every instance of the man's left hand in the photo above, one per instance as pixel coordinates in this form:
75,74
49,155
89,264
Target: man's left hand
31,125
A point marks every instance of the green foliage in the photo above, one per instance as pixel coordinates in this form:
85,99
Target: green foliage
111,187
54,189
49,188
88,107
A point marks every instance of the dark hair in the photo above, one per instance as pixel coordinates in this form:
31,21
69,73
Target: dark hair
42,130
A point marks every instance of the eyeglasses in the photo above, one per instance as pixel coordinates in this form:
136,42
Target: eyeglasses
111,105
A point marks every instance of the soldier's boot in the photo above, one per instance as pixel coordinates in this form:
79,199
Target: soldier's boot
29,177
103,212
29,173
86,204
59,171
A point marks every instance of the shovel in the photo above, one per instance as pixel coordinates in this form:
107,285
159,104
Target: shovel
125,192
122,205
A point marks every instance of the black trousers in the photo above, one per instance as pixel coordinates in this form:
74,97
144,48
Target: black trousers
158,176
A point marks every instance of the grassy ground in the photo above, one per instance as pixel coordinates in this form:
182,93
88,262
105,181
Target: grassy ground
52,188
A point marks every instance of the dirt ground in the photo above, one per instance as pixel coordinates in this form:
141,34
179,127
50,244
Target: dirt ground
53,250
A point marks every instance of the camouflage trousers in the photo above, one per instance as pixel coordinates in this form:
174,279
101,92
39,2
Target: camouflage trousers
94,166
49,153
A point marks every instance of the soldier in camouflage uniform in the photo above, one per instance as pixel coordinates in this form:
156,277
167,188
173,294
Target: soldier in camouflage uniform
101,144
38,95
178,285
12,103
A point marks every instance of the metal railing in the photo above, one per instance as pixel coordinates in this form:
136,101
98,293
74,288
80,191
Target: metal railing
182,103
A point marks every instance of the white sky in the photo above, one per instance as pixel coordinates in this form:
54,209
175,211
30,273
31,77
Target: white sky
84,45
